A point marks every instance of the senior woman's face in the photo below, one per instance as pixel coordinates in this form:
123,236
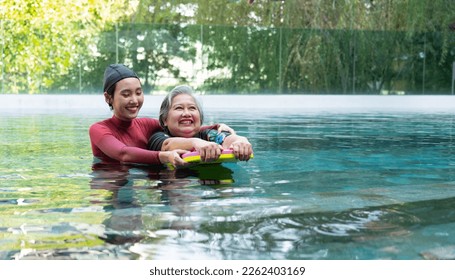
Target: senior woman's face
184,118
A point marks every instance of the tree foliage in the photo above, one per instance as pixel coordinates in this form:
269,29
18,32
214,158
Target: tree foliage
229,46
323,46
42,40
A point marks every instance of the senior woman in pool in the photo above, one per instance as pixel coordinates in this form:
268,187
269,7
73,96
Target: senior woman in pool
123,138
181,117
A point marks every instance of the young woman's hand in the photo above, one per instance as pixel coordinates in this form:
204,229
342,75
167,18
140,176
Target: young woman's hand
224,127
173,157
209,151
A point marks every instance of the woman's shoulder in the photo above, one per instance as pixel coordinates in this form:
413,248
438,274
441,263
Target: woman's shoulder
112,123
100,128
99,124
148,121
148,125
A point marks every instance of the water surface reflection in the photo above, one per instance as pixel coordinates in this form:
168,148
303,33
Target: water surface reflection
321,186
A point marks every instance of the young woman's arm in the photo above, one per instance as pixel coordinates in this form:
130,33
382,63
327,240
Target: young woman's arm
208,150
162,142
209,147
106,143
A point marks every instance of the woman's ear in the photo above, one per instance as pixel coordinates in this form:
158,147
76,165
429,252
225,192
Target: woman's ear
108,99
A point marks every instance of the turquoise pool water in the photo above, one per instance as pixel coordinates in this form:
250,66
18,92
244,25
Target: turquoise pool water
321,186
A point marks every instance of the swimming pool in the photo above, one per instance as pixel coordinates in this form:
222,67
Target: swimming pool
324,184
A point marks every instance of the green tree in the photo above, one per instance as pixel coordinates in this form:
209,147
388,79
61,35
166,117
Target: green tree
150,41
286,46
43,40
330,46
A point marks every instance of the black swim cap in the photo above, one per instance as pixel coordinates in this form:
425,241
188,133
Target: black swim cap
115,73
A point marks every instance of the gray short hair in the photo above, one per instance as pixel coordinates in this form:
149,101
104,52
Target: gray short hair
167,102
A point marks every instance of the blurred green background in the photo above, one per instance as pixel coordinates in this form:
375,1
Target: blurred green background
230,47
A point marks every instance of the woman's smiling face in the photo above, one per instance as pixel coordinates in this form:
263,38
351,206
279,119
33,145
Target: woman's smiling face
184,118
128,99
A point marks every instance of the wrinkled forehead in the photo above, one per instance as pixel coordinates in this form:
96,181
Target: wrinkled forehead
183,98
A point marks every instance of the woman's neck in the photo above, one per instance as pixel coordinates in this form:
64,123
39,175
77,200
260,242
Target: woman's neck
120,122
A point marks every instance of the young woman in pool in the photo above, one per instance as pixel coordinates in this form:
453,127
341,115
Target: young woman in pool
181,117
123,138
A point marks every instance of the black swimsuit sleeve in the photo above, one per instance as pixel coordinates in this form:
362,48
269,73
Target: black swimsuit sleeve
156,141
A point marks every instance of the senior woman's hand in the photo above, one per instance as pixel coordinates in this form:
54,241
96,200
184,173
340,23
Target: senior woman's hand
242,149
